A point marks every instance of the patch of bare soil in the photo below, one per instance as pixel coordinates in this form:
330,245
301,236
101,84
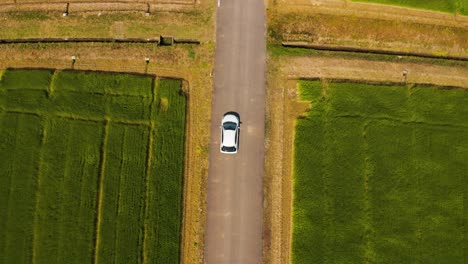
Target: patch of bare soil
283,109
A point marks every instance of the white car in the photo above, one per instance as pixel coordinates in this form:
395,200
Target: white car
230,134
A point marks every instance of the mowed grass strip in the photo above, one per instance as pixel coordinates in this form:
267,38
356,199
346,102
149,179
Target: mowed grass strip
449,6
20,143
380,174
166,174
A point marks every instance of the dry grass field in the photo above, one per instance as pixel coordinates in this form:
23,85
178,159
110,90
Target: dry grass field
192,63
342,23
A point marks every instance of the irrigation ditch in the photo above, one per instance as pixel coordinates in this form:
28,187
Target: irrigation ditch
306,45
160,41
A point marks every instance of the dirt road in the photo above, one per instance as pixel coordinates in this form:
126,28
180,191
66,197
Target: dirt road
235,182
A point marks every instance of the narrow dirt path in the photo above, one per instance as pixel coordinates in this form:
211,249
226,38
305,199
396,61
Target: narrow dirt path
360,69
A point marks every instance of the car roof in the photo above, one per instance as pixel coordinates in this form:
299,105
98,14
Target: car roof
229,138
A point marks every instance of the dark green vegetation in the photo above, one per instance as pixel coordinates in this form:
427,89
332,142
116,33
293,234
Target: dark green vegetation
380,174
450,6
279,50
91,167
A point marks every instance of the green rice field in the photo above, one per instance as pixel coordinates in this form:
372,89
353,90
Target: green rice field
449,6
380,174
91,167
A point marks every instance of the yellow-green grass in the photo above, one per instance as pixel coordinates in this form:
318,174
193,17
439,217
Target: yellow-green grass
449,6
92,169
42,24
380,174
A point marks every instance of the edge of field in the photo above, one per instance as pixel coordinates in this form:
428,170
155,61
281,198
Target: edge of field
283,108
191,63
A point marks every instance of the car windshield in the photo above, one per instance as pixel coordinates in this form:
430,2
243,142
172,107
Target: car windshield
229,126
229,149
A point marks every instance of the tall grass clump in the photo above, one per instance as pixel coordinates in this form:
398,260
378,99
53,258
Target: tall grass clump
379,174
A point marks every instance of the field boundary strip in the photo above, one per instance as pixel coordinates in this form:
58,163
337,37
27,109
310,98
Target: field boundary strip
77,118
306,45
45,122
100,191
149,153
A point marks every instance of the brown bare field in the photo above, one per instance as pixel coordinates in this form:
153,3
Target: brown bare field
368,25
189,62
283,109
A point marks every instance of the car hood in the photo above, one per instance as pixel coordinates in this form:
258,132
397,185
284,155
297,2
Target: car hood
229,138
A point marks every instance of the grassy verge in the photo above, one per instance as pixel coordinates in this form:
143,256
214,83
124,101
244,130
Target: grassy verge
61,212
449,6
368,169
